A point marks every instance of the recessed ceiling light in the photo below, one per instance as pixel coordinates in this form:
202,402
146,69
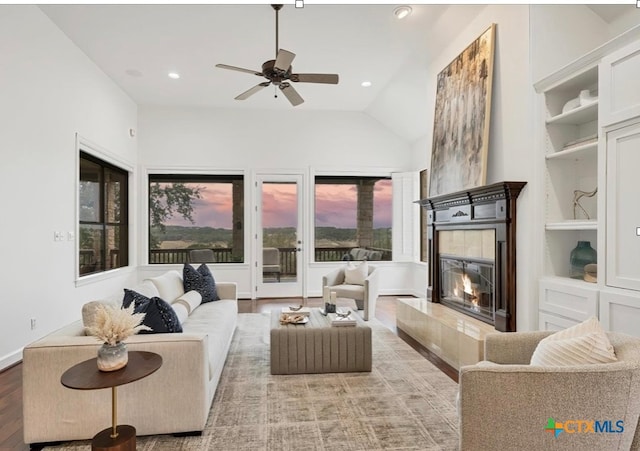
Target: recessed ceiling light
365,84
174,75
402,11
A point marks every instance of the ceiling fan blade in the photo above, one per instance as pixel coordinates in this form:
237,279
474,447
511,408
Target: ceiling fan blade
291,94
315,78
284,60
248,93
240,69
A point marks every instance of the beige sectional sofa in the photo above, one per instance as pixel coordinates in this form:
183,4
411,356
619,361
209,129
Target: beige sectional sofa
175,399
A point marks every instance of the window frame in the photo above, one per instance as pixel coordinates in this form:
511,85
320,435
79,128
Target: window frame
343,178
98,154
169,175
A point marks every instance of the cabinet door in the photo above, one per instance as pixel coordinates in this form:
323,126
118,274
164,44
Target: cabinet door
547,321
619,93
572,299
623,214
620,311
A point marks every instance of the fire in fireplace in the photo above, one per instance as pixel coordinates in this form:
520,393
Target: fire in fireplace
467,285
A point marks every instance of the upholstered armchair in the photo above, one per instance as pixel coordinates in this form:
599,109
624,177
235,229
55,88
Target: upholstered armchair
365,295
510,405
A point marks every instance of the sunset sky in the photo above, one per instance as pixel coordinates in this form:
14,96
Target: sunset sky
335,206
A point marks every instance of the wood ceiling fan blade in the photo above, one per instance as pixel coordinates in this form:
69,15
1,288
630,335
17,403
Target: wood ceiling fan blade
284,60
240,69
315,78
249,92
291,94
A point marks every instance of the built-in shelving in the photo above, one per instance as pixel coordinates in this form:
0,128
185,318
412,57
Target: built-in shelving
589,150
577,116
592,146
570,166
573,224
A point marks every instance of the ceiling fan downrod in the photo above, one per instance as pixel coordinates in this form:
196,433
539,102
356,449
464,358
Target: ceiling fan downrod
277,9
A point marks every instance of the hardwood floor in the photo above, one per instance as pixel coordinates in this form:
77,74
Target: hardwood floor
11,409
11,378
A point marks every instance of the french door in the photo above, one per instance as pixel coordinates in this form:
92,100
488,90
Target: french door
278,241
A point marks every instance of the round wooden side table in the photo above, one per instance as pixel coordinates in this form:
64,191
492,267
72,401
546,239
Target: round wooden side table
86,376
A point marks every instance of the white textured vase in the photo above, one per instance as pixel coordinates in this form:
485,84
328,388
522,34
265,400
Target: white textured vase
586,98
112,357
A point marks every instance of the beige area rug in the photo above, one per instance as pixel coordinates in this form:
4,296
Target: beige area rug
405,403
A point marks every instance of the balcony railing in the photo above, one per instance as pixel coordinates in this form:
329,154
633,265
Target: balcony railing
288,256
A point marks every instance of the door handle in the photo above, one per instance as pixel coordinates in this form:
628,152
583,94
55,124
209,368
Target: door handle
299,249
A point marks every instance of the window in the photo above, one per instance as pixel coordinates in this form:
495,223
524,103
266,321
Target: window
196,218
352,218
103,228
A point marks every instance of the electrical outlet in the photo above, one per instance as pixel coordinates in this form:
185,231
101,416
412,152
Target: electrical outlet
33,323
58,236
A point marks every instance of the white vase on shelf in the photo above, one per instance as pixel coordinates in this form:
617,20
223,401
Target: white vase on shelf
586,98
571,105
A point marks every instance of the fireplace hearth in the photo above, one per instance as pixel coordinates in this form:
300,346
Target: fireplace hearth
471,240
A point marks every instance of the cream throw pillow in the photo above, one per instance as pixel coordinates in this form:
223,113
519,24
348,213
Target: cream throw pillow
581,344
191,300
355,274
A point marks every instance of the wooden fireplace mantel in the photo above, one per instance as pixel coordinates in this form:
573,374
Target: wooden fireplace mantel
486,207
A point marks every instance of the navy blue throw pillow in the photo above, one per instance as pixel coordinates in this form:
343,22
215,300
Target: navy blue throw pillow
200,280
160,316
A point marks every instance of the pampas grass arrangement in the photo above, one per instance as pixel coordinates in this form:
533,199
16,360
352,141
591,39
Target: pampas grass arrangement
112,325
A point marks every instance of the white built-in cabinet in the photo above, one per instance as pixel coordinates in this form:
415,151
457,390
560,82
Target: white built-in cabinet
592,144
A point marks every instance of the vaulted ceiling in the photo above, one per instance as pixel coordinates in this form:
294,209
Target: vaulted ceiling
138,45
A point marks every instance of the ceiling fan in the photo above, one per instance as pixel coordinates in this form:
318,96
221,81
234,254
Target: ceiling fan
279,72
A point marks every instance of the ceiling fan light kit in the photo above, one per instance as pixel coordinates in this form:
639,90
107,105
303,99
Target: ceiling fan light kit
279,72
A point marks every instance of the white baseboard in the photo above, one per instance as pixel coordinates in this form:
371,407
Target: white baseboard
10,359
387,292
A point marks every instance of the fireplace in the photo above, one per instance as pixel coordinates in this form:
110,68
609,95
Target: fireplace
467,285
471,240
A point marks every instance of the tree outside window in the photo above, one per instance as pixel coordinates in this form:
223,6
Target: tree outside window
196,215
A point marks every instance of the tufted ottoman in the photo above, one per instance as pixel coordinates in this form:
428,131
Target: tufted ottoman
318,347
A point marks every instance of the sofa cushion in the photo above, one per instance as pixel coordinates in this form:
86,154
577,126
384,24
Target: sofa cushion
147,288
200,280
159,315
584,343
349,291
169,286
89,311
190,300
182,311
355,274
223,315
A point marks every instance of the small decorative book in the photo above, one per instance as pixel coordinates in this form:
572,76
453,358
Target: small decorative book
342,321
306,311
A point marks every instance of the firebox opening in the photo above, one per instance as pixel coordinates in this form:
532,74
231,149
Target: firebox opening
468,285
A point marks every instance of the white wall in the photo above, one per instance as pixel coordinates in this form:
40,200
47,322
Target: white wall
49,90
511,153
561,34
308,141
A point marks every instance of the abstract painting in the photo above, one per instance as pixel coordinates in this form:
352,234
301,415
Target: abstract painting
461,120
